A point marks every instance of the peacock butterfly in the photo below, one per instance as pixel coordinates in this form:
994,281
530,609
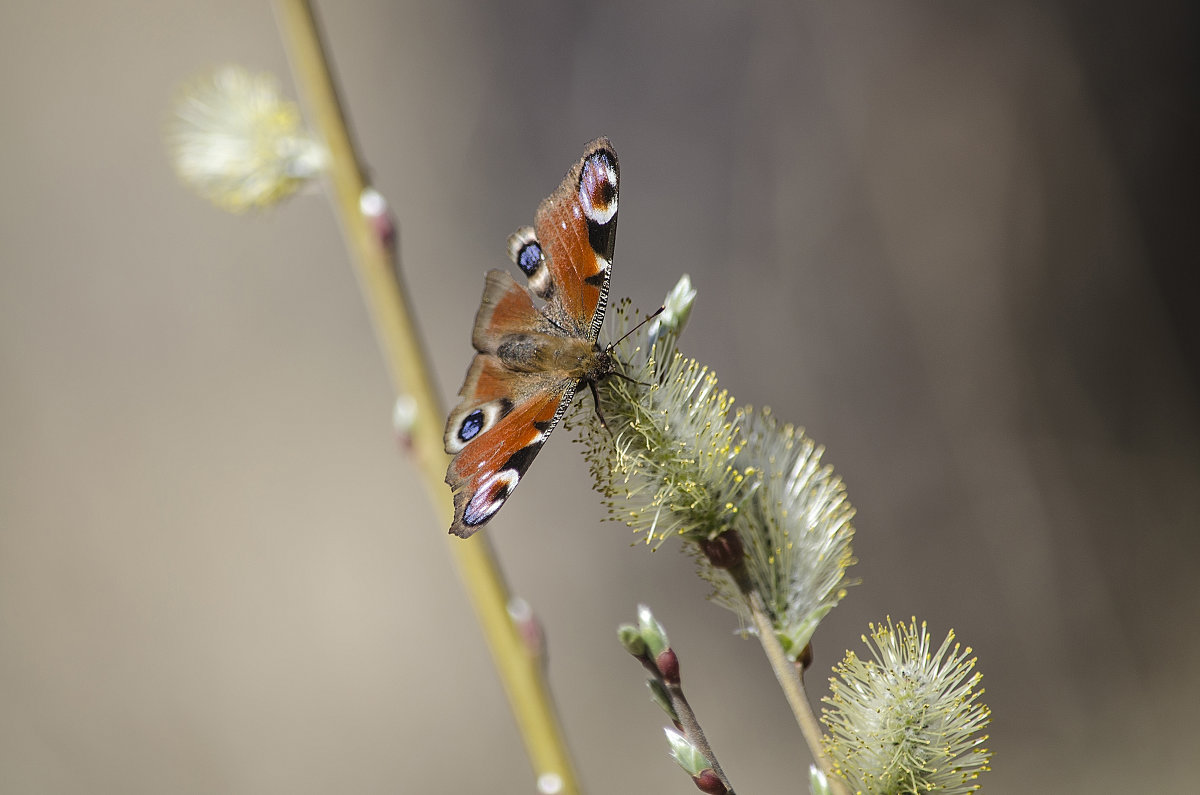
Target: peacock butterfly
530,360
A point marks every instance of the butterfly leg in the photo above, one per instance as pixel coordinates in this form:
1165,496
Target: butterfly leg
596,401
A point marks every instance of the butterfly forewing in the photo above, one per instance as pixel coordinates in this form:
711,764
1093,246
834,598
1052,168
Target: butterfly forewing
531,359
577,228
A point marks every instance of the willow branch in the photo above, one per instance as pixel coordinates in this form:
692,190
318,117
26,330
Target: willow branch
375,265
792,684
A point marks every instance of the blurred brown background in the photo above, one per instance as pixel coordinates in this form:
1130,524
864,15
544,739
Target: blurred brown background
955,242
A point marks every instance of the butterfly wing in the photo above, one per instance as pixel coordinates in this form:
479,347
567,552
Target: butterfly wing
504,415
486,469
492,388
506,310
568,254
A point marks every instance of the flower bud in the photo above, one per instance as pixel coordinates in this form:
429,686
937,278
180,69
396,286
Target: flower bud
668,666
631,639
710,783
725,551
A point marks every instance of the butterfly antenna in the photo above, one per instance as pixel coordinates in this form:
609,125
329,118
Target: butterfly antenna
612,345
645,320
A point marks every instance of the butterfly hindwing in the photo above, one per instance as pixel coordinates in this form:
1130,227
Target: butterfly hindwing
493,386
504,414
487,399
506,309
487,468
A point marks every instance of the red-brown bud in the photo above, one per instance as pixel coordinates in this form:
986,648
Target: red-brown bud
668,666
805,660
725,551
708,782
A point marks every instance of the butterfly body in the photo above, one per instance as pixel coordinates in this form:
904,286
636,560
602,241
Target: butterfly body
531,359
539,353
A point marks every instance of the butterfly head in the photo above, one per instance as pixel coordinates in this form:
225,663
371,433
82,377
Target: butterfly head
601,364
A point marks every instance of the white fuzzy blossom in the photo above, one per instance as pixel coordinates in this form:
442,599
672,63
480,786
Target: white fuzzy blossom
679,459
238,143
908,720
795,526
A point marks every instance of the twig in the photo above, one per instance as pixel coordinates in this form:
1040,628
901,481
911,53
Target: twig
726,551
691,729
649,645
375,266
792,684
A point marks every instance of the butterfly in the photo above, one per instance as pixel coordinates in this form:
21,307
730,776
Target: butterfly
530,360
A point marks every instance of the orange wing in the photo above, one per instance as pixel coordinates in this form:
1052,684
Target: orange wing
487,468
569,259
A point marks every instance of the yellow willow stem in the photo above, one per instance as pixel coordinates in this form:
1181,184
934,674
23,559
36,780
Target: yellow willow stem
519,668
792,685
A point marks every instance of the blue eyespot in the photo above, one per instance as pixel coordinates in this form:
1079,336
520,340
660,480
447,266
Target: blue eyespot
529,258
472,424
